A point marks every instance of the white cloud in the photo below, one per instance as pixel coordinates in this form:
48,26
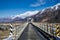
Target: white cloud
38,3
26,14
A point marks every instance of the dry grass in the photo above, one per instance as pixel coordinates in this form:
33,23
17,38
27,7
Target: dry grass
4,34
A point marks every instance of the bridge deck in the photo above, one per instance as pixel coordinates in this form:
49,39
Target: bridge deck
30,33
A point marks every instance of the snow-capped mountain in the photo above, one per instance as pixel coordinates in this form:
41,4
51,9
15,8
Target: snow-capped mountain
5,19
56,7
50,14
51,8
26,14
20,17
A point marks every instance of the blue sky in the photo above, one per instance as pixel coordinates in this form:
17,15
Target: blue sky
15,7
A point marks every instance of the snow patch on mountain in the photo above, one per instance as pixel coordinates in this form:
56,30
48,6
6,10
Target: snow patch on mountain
42,11
52,8
26,14
57,6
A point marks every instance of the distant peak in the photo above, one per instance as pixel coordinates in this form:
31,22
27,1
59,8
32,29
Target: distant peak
26,14
58,4
54,7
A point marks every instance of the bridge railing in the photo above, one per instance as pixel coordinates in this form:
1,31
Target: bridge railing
19,30
16,30
50,28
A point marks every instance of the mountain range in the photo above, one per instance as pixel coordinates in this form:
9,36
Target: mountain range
50,14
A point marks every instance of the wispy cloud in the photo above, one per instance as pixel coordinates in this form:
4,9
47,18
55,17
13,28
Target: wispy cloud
38,3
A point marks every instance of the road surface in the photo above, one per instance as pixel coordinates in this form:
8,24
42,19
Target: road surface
30,33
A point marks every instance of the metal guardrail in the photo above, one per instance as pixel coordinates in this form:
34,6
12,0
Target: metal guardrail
19,30
50,28
16,31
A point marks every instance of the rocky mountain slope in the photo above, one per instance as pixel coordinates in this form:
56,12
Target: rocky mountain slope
51,14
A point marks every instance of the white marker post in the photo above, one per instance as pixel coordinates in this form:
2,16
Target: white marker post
11,36
11,31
